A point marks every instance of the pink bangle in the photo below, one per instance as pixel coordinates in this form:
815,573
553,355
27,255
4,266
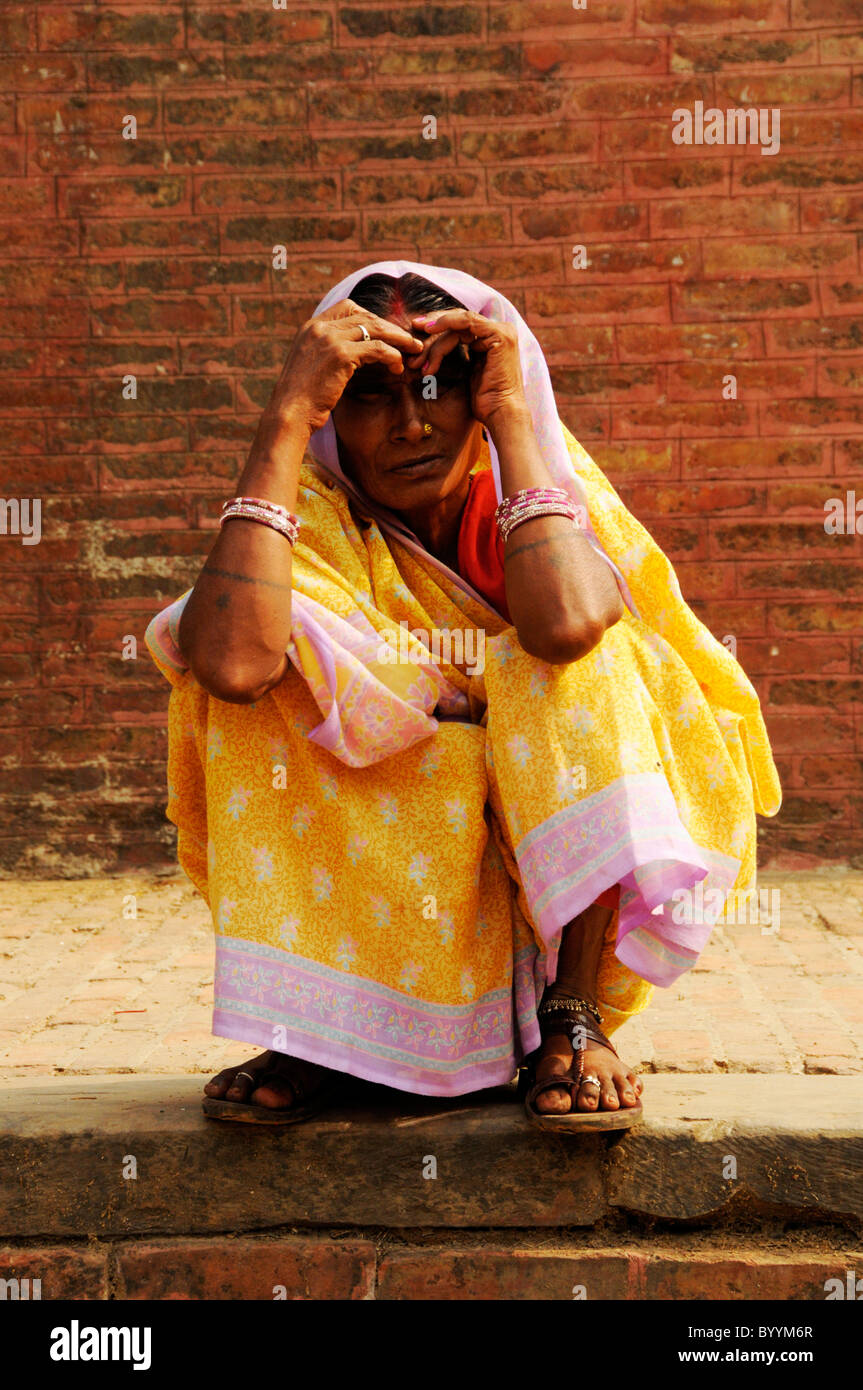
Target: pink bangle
531,503
260,502
267,513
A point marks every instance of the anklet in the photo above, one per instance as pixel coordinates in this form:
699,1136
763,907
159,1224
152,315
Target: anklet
548,1005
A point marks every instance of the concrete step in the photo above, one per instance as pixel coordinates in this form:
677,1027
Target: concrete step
744,1152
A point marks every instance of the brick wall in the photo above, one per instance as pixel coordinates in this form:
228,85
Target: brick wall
153,256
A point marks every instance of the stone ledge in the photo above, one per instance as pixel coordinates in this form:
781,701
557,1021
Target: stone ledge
797,1142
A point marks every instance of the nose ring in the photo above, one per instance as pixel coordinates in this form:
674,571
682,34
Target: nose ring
427,429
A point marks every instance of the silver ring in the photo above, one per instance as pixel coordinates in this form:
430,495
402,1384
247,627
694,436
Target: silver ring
245,1073
365,332
592,1081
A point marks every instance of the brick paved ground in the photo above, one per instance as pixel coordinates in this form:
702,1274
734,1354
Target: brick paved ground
85,989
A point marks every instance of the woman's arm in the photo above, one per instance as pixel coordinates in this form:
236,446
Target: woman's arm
562,596
237,621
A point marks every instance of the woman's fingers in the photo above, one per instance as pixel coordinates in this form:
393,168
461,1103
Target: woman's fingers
350,315
434,351
364,353
470,328
452,326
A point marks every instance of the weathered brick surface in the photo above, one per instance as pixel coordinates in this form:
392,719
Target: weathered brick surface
152,256
54,1272
499,1266
619,1272
290,1267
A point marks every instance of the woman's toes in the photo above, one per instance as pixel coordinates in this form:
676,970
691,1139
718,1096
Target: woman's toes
626,1091
220,1085
239,1088
608,1099
588,1095
274,1095
555,1101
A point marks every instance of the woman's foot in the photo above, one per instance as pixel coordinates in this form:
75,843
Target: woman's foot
618,1089
243,1083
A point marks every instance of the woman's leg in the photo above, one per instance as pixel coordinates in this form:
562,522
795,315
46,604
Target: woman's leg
578,964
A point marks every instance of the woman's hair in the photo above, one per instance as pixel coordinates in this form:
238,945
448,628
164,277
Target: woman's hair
385,295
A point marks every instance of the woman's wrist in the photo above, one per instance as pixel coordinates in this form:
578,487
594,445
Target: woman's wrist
512,418
521,463
273,467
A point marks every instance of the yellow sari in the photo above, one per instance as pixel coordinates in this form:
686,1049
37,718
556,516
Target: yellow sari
388,886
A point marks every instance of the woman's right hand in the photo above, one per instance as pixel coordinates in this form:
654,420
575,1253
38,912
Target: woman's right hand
324,355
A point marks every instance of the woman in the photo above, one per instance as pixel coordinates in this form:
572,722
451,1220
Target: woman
448,749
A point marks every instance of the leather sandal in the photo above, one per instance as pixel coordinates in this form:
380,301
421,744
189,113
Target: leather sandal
578,1021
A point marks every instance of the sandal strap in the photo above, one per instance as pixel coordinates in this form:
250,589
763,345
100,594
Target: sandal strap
569,1082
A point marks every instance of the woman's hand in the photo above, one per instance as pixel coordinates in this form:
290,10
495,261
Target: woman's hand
496,384
324,355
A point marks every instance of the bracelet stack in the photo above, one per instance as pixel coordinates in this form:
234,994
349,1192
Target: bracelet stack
267,513
531,503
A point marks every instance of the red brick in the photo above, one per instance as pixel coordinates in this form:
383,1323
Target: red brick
65,1272
54,73
539,18
701,14
307,1267
822,12
502,1273
797,255
583,223
642,178
637,96
754,1276
668,499
741,47
691,381
678,419
580,57
723,216
782,89
743,298
124,195
831,210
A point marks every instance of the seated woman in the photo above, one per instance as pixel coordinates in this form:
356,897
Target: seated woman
448,750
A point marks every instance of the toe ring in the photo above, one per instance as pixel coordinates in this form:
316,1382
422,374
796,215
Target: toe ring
592,1081
248,1076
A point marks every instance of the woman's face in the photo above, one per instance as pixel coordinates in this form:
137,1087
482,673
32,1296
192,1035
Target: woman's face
383,447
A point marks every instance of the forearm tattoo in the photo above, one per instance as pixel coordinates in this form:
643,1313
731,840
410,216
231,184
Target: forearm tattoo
555,561
224,598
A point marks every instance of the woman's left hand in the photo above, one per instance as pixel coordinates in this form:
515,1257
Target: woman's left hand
496,384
